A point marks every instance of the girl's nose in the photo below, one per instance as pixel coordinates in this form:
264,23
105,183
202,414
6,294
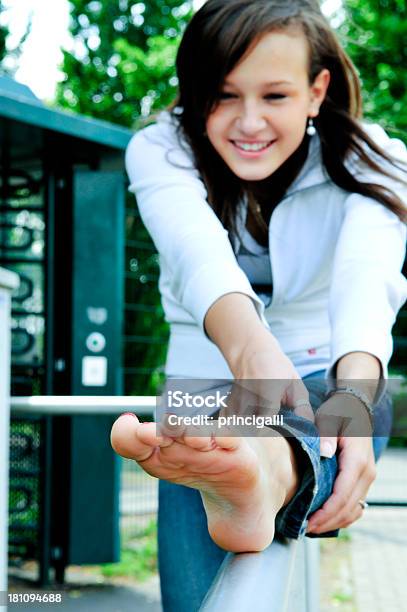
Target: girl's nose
251,119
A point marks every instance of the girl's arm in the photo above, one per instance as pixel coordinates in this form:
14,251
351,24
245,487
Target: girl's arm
254,355
233,325
358,366
368,288
363,368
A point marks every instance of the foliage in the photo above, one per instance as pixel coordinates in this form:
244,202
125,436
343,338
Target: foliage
148,76
3,36
375,33
138,556
140,81
122,65
9,57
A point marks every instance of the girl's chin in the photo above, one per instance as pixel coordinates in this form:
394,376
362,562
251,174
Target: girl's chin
252,174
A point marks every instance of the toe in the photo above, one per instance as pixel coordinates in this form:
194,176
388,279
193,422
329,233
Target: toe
197,438
171,426
125,440
227,440
149,434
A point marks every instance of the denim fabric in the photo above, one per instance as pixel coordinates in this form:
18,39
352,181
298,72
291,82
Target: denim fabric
189,559
319,473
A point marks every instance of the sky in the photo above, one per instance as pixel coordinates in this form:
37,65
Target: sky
38,66
41,53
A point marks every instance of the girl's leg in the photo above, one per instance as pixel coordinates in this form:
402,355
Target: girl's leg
188,557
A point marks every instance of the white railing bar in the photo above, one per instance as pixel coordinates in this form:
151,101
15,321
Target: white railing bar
81,404
312,573
254,581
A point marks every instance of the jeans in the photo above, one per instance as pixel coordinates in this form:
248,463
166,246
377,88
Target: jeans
189,559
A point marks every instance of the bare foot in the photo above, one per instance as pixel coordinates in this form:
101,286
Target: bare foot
243,481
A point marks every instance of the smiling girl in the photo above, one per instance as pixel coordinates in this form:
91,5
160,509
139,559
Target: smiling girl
279,219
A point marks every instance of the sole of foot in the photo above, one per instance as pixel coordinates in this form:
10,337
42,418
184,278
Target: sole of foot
243,482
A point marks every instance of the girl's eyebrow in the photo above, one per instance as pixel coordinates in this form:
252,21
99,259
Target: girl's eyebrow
274,83
270,84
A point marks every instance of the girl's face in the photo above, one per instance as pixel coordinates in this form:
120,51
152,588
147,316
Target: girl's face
264,106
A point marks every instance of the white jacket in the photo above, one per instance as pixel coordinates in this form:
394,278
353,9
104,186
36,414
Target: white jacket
335,258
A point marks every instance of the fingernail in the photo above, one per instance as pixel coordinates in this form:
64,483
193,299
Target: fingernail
128,414
327,450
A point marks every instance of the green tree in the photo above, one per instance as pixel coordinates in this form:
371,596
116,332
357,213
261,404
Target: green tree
375,34
3,36
11,56
122,65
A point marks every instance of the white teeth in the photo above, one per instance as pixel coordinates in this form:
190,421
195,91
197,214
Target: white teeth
258,146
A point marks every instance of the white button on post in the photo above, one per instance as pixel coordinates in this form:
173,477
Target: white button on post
94,371
95,342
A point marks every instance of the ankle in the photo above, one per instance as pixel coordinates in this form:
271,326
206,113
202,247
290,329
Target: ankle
290,471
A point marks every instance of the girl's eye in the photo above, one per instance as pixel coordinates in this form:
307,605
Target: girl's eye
224,95
275,96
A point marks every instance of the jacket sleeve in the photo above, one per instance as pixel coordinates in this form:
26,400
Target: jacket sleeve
187,234
368,288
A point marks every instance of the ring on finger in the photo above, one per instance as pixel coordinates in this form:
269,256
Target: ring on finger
363,504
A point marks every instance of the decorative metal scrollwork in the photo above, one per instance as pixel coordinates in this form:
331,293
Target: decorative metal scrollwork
19,184
25,290
23,342
13,241
22,248
23,499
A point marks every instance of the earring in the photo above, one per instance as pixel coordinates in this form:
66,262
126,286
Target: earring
311,130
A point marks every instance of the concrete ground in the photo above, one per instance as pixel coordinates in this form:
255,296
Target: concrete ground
365,569
378,546
83,595
379,561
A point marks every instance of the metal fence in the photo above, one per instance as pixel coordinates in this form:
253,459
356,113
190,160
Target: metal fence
138,497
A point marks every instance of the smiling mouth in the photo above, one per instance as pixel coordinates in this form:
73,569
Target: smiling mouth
253,147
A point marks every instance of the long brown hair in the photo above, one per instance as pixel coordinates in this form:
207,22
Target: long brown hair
216,39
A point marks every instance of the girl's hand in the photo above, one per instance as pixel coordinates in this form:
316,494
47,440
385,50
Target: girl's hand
265,372
341,415
356,464
255,358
